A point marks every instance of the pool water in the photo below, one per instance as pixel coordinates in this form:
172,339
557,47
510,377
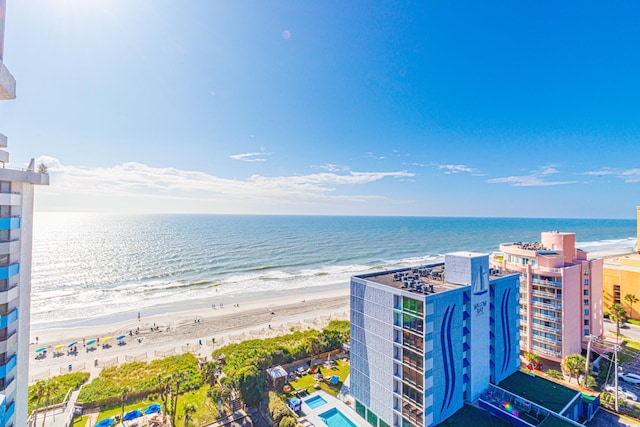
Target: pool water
335,418
315,402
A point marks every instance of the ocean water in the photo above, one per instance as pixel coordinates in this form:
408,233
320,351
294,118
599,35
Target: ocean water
92,265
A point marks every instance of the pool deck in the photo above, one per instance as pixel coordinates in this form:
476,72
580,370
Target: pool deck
311,417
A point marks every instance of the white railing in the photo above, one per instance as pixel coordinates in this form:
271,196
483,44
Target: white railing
545,317
546,283
557,307
545,294
545,339
546,351
545,328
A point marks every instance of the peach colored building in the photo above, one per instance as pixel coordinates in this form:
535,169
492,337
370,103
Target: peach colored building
560,293
622,277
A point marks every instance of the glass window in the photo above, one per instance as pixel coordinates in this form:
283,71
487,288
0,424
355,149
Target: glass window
586,312
586,302
586,282
585,292
586,322
586,332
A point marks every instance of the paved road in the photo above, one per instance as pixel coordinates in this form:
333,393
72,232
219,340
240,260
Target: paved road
632,332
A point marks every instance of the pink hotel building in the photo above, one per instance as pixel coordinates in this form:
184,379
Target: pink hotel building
560,293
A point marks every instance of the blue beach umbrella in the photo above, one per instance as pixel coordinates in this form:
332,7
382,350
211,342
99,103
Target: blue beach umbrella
132,415
107,422
121,337
72,344
152,409
41,349
90,342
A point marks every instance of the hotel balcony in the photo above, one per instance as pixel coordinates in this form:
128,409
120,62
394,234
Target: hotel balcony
8,367
547,283
9,413
9,342
9,270
9,318
544,294
10,199
9,388
546,351
546,329
545,317
544,305
9,247
10,294
9,223
551,341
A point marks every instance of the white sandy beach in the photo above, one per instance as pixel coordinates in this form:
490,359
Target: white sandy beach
183,331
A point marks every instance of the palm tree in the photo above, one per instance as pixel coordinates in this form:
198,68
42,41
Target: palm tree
210,372
631,299
219,395
124,394
50,388
573,365
618,315
178,378
40,391
189,409
164,386
532,358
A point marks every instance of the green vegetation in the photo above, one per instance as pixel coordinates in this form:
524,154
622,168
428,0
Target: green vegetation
574,365
631,299
307,382
57,387
617,314
277,408
140,379
553,373
245,361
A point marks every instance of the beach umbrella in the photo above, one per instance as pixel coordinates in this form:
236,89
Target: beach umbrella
132,415
58,347
107,422
152,409
105,339
41,349
91,342
121,337
72,344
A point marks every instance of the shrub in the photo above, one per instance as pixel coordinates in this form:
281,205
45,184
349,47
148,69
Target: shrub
287,421
250,382
277,408
553,373
64,382
140,378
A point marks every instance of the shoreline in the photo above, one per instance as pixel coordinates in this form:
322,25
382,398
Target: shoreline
181,306
182,330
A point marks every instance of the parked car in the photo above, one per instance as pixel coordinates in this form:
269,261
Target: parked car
629,395
629,377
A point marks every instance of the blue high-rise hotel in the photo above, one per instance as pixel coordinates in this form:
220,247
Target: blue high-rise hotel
424,340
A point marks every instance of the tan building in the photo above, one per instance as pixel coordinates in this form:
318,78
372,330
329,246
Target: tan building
621,278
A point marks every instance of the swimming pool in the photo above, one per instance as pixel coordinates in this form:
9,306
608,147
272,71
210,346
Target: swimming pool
334,418
315,402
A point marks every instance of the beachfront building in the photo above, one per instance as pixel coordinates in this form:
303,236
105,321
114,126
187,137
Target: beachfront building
16,218
425,340
622,278
560,293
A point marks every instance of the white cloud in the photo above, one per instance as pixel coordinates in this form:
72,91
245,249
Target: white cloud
136,187
451,169
330,167
631,175
603,172
250,157
535,179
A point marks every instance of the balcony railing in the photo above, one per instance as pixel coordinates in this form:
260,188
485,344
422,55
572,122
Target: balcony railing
546,351
546,283
546,329
545,294
546,340
8,367
545,317
556,307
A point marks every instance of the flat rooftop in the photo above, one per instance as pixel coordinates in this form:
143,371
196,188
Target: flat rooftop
471,416
529,246
548,394
427,279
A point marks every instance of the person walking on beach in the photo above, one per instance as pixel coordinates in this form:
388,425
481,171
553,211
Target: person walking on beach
138,316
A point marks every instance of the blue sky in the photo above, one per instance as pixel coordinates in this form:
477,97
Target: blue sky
351,108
